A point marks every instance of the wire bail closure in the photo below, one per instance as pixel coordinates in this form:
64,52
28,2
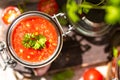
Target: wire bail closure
5,59
70,27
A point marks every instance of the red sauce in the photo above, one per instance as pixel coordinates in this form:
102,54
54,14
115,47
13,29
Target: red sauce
37,25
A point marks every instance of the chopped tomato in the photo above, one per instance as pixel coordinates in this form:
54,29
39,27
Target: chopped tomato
10,13
48,6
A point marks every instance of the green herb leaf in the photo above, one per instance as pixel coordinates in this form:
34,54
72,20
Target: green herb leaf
34,41
72,11
112,14
115,52
118,62
64,75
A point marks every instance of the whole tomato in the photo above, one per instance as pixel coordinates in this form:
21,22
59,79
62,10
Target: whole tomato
9,14
92,74
48,6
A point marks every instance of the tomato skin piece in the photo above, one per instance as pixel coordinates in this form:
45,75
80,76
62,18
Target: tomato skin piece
10,13
48,6
92,74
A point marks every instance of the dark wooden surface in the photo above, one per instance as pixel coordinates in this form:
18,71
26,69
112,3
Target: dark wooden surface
79,50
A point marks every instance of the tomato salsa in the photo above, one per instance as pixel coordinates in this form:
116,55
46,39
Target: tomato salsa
36,25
